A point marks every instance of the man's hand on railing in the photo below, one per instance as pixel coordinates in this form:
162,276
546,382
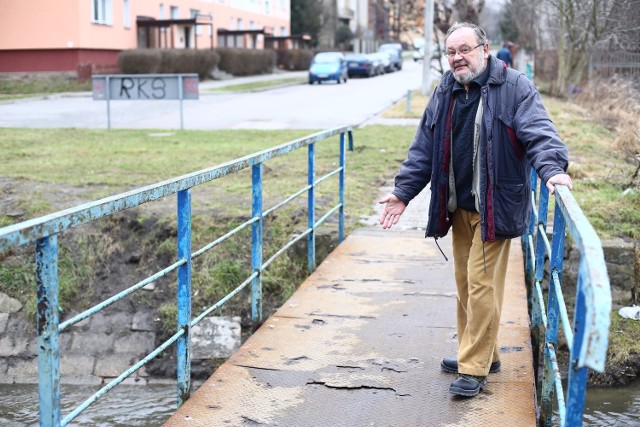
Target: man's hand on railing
393,208
561,178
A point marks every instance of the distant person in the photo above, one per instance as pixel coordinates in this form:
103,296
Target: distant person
483,129
505,54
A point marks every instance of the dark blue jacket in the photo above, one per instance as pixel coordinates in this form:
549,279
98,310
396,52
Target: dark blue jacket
516,133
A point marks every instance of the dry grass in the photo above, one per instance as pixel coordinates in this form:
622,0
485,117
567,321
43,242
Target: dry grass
615,103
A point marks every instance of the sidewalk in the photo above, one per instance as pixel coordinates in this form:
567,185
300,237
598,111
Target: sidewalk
277,75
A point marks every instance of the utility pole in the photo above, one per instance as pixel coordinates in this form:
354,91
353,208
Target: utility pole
428,42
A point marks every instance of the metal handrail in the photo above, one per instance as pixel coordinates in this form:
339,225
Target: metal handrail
587,337
43,232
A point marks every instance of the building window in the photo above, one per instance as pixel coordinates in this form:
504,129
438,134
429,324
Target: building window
283,31
126,8
161,11
232,23
194,15
252,25
267,7
175,12
240,24
101,12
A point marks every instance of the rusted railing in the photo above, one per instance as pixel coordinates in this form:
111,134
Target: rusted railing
43,232
587,337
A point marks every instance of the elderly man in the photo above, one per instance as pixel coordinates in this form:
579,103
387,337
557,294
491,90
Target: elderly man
483,128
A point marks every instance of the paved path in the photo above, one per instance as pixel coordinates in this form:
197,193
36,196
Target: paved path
360,343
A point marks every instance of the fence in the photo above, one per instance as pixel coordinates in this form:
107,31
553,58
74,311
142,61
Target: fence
587,337
608,63
44,232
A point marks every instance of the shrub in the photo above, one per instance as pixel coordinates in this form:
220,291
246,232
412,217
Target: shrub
294,59
246,62
139,61
170,61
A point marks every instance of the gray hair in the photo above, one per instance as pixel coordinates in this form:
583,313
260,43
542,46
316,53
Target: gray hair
481,36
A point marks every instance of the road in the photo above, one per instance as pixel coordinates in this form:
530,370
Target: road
292,107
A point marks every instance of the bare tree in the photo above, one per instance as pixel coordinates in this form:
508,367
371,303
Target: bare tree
582,26
520,23
468,10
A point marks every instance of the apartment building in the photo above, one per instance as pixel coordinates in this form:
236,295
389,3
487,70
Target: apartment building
60,35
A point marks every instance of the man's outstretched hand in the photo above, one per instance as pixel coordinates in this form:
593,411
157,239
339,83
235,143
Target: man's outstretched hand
393,208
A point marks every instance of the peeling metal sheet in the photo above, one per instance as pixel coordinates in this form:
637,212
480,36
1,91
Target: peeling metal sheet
360,344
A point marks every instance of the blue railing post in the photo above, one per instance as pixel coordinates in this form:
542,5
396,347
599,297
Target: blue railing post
553,314
184,296
528,266
343,164
256,242
311,215
577,377
47,327
538,312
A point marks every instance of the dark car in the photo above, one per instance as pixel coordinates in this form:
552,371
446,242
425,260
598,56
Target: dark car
327,66
395,51
382,62
359,64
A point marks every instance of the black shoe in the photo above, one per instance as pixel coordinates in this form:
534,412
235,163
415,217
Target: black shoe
450,366
467,385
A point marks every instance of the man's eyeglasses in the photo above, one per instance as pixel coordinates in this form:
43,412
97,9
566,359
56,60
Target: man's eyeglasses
464,50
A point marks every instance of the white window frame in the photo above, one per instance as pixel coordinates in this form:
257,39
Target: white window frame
126,10
101,12
194,15
174,11
161,12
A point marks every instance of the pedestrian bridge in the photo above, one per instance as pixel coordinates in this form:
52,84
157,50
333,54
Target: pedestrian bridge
360,342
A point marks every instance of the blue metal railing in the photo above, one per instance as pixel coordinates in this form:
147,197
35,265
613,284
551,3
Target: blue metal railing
587,337
44,231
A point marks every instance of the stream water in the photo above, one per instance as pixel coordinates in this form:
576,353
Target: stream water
151,405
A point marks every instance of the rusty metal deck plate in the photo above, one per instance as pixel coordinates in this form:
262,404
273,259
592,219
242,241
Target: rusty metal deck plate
360,344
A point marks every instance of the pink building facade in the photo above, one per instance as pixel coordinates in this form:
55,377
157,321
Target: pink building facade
61,35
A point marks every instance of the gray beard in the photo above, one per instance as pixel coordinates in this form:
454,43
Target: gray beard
468,77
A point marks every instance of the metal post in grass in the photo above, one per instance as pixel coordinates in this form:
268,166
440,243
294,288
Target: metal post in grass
343,162
184,296
256,242
47,327
108,93
180,96
311,237
409,101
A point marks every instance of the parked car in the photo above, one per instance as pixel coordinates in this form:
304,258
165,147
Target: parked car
436,52
326,66
395,51
381,62
359,64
